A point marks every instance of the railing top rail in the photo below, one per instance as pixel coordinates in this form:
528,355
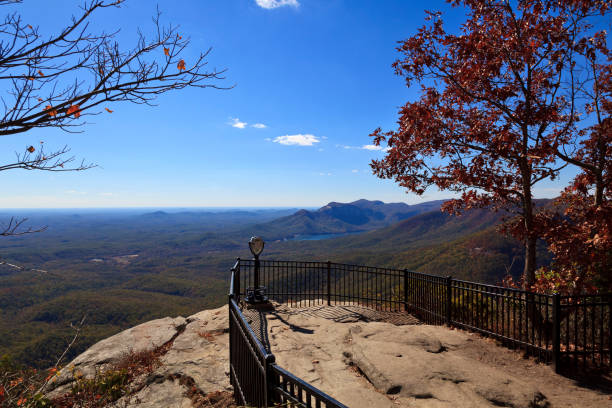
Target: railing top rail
261,349
587,296
324,263
375,269
263,261
498,287
329,401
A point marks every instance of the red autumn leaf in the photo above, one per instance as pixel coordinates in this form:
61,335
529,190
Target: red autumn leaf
108,110
31,149
167,51
30,78
50,110
181,65
30,27
74,110
39,99
41,73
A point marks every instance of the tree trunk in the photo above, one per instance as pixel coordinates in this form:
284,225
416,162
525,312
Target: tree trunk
533,313
530,238
530,262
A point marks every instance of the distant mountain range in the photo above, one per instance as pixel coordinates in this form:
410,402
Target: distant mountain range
467,246
338,218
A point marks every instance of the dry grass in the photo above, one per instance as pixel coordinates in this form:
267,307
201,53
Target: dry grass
210,335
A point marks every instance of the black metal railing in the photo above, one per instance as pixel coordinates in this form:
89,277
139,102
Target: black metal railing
567,331
256,379
293,391
583,331
248,361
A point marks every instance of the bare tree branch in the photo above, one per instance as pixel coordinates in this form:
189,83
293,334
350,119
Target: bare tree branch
57,81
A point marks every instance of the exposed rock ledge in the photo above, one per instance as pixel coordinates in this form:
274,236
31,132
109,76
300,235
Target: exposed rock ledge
362,364
196,356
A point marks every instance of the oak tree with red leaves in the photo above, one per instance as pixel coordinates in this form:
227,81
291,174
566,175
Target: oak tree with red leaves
502,107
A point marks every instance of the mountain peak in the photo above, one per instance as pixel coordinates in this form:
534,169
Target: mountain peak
340,218
363,201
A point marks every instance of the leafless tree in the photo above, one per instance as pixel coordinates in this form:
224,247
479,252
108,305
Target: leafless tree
57,81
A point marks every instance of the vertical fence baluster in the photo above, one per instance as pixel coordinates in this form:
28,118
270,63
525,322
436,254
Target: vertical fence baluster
556,346
576,355
449,300
609,331
405,290
584,336
567,332
592,345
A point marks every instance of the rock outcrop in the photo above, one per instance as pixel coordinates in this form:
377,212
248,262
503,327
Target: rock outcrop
342,350
193,354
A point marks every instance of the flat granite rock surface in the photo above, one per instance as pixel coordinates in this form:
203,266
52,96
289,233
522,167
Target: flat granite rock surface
360,357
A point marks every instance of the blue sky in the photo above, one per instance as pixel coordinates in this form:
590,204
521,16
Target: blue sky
312,79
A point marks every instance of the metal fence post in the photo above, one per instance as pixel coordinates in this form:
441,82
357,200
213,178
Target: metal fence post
405,290
328,283
609,329
270,385
449,300
237,280
556,340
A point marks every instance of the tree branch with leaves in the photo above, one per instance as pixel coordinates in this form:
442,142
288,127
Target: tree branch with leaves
57,81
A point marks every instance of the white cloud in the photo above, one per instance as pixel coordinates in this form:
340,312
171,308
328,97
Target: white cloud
235,122
272,4
325,174
297,140
354,171
259,126
105,194
374,147
370,147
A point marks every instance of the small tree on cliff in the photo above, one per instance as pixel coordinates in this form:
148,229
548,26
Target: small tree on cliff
497,107
57,81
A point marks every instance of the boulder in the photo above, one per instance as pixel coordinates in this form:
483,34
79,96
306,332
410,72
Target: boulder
145,336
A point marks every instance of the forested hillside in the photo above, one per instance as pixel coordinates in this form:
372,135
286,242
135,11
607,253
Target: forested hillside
119,269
